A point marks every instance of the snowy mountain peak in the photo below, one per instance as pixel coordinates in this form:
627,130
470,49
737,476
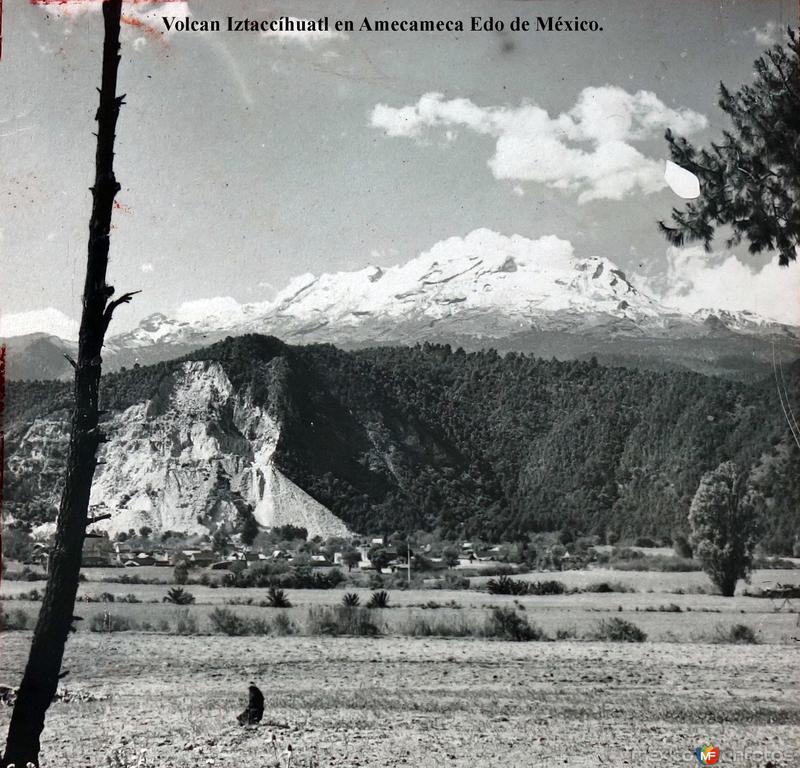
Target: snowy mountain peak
483,286
484,271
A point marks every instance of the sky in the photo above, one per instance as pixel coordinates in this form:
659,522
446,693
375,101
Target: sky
246,159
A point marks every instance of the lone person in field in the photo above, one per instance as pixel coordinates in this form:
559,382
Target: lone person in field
255,707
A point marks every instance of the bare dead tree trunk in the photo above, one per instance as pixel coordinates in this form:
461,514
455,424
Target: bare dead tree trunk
40,680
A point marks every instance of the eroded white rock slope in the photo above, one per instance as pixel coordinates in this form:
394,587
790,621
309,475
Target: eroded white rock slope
185,465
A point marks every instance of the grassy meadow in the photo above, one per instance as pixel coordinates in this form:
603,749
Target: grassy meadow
434,683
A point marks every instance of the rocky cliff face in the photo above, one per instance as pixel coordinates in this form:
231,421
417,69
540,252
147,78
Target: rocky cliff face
196,457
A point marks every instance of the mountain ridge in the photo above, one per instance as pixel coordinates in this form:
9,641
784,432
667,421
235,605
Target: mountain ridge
482,290
404,438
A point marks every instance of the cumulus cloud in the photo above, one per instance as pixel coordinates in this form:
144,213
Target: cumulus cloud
49,320
697,280
533,146
147,267
306,38
216,307
767,35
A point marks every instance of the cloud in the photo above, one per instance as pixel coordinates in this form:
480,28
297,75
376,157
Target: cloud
266,285
533,146
147,267
697,280
304,37
767,35
220,307
49,320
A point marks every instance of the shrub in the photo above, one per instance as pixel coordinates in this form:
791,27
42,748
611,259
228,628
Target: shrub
607,586
550,587
618,630
290,533
16,619
341,620
180,575
284,576
241,601
34,595
351,600
258,626
179,596
283,625
660,563
453,581
766,563
185,623
226,622
645,542
379,600
501,569
737,633
26,574
439,626
626,553
566,633
276,598
682,546
108,622
17,544
375,581
505,585
507,624
127,578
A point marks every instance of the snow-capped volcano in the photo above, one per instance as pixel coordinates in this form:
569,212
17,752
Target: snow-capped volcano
484,289
514,279
484,271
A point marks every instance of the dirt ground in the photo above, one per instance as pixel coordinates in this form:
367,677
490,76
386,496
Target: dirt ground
394,702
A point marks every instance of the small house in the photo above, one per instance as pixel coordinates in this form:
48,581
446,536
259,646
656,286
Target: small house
145,558
201,558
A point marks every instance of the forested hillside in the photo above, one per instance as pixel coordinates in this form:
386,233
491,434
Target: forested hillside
473,443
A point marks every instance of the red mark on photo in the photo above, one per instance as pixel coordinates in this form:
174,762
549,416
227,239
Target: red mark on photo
131,20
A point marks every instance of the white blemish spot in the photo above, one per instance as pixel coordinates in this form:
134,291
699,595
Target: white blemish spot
682,182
